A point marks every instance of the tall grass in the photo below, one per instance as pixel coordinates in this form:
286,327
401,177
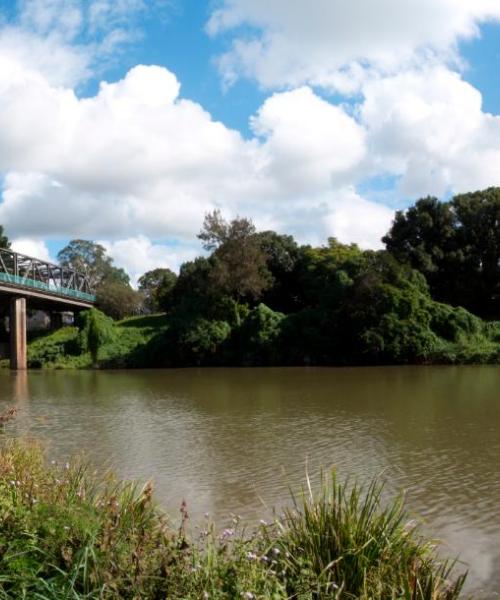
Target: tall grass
66,532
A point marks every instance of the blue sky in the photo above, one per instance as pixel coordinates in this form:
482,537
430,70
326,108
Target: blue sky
315,119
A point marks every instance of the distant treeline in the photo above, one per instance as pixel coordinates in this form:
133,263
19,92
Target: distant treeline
259,298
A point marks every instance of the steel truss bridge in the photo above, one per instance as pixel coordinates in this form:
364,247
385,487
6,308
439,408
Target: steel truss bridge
46,286
22,271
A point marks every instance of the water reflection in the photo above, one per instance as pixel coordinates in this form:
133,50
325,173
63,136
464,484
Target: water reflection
224,439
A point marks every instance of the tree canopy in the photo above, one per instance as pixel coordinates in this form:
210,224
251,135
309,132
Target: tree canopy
456,245
157,286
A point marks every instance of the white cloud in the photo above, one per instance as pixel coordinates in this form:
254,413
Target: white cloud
69,41
309,144
138,255
337,43
32,247
429,128
354,219
139,160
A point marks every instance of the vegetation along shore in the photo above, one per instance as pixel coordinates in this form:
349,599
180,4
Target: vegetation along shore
67,532
432,296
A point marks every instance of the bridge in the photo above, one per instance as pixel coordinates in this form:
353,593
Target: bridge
45,286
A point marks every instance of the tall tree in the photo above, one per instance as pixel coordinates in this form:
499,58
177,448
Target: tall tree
282,254
111,284
90,258
157,285
239,263
456,245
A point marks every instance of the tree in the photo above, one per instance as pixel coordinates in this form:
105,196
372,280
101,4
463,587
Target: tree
117,300
282,254
4,240
96,329
238,261
456,245
91,259
157,286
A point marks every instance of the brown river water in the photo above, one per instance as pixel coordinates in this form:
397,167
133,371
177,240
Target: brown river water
232,441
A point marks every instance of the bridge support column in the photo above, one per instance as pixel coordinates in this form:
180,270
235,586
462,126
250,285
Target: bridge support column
17,326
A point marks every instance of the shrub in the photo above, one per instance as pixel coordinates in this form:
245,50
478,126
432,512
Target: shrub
257,338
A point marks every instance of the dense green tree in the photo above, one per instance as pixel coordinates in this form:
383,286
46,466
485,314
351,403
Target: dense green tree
478,237
324,274
157,286
118,300
456,245
111,284
282,254
196,341
257,340
90,258
238,262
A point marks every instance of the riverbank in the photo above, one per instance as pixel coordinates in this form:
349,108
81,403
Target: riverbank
67,532
262,339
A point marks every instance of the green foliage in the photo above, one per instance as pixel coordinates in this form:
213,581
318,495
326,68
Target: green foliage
331,305
196,342
96,329
67,532
238,263
343,543
51,348
456,245
281,255
258,336
157,286
90,258
135,342
117,299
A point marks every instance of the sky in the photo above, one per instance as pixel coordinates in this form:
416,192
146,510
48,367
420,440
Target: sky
125,121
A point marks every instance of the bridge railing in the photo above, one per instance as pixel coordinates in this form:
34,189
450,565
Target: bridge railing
25,271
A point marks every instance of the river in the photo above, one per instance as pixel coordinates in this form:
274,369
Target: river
231,441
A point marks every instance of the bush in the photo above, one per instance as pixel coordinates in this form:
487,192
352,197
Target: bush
195,342
257,338
50,348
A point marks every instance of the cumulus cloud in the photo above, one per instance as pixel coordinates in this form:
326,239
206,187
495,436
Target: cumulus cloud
138,159
138,162
138,254
336,43
309,144
32,247
429,127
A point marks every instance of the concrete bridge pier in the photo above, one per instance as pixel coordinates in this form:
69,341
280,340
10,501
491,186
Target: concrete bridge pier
17,326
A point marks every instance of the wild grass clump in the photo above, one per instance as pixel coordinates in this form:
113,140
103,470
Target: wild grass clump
66,532
342,542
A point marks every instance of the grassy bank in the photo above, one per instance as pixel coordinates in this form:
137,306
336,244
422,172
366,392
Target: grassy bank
129,346
156,341
66,532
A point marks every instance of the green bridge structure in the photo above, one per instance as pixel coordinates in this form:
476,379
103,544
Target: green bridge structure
27,282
